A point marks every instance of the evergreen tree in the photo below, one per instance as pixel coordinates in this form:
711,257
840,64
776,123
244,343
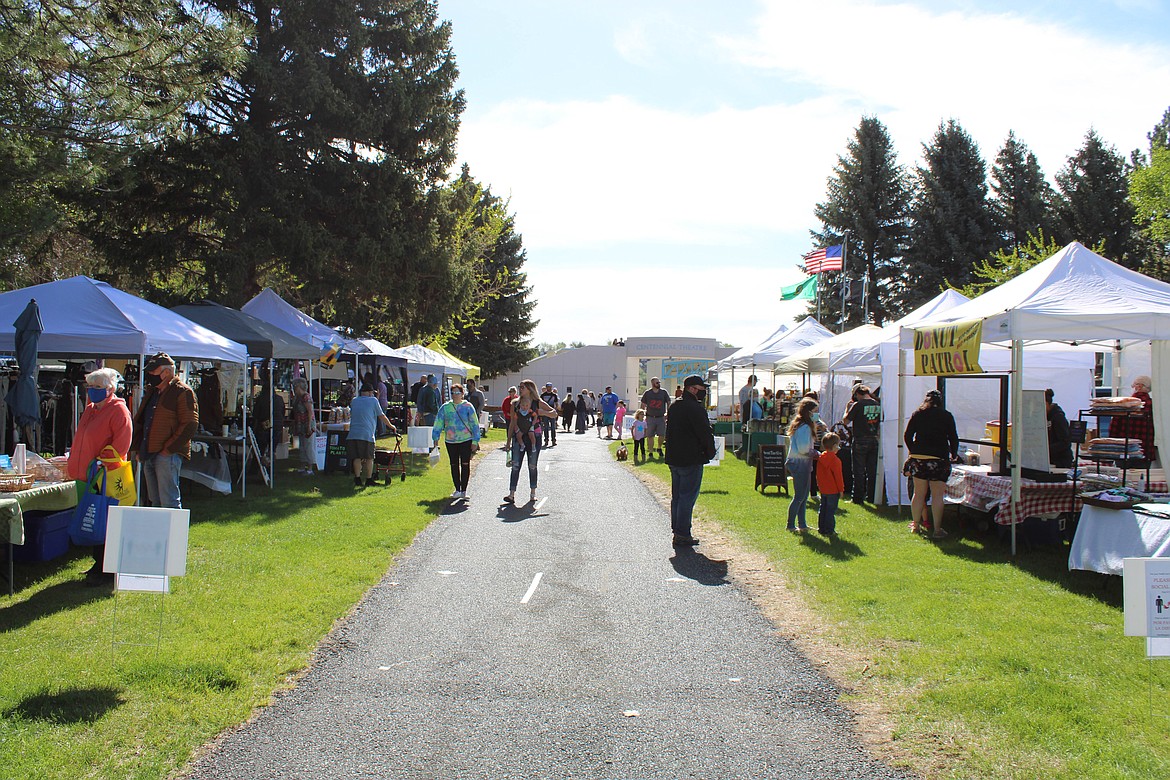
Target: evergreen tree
1021,204
1093,204
952,225
866,201
494,334
316,172
82,84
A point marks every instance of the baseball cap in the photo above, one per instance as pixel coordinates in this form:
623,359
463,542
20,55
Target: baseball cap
694,379
158,360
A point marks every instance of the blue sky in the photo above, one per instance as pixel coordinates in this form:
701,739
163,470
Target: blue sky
663,157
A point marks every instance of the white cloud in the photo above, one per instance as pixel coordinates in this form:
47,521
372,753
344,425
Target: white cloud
617,170
991,72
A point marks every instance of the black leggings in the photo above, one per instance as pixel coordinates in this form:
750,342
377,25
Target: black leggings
460,456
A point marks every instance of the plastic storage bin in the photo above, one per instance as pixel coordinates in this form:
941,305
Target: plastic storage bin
46,536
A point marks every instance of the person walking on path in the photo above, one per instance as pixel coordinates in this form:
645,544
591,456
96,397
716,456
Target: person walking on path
458,425
655,401
167,418
550,397
608,402
527,403
691,444
638,434
582,412
619,418
864,416
933,442
801,434
568,409
365,412
831,483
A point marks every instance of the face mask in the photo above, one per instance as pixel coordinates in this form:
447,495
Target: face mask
97,394
152,380
816,416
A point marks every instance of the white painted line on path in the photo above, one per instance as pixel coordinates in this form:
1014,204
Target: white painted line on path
532,587
539,504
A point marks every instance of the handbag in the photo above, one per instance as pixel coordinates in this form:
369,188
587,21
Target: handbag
88,524
119,477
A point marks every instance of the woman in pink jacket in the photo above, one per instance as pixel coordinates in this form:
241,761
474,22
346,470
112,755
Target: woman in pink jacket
104,423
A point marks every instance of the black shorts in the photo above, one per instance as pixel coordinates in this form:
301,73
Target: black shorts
932,470
357,449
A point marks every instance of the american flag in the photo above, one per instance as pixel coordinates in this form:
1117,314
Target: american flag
824,259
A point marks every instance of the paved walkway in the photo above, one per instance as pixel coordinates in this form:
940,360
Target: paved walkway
565,639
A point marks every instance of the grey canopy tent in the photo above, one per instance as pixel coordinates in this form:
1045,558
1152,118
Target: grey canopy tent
263,340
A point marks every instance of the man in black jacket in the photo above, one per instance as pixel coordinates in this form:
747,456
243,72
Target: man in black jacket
689,444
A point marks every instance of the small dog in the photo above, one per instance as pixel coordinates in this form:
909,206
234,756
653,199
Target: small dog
622,453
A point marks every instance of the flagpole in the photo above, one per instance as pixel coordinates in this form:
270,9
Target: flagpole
844,275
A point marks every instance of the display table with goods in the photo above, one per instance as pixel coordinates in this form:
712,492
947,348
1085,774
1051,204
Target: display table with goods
39,501
975,487
1106,537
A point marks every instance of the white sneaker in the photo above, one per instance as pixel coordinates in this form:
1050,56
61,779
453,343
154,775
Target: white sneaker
456,494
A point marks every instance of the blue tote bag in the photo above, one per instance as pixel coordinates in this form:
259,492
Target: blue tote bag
88,525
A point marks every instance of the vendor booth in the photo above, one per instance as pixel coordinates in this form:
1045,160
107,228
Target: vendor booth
1074,301
734,370
264,341
83,318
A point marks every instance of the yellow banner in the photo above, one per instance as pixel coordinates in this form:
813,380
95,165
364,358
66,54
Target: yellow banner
947,350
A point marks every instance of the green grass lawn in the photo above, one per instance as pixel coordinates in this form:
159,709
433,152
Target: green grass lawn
988,667
267,577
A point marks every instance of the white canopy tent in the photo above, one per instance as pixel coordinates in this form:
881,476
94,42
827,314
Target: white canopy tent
746,356
782,344
1074,298
427,361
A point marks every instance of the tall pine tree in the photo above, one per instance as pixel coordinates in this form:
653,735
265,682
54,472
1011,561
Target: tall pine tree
867,197
1022,201
952,226
1093,204
494,335
317,172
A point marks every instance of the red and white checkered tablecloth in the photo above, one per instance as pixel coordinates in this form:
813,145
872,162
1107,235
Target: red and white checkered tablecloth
973,486
985,492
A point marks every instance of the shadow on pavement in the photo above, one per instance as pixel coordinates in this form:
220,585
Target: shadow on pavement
516,513
693,565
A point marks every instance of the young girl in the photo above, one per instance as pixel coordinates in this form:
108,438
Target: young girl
619,417
801,433
638,433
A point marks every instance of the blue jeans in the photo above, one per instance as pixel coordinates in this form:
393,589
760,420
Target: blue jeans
801,471
518,453
827,517
685,482
161,475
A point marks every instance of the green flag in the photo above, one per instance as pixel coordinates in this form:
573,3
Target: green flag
802,291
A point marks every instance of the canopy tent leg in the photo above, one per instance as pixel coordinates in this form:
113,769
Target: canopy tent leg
901,415
244,429
271,427
1018,420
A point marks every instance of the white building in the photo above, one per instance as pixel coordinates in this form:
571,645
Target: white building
627,367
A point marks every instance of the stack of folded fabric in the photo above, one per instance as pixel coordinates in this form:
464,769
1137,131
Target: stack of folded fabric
1113,449
1119,403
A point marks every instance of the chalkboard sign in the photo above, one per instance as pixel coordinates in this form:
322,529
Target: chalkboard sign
1076,431
336,457
770,467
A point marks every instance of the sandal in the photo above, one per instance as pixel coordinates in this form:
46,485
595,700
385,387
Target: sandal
939,534
914,528
509,500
